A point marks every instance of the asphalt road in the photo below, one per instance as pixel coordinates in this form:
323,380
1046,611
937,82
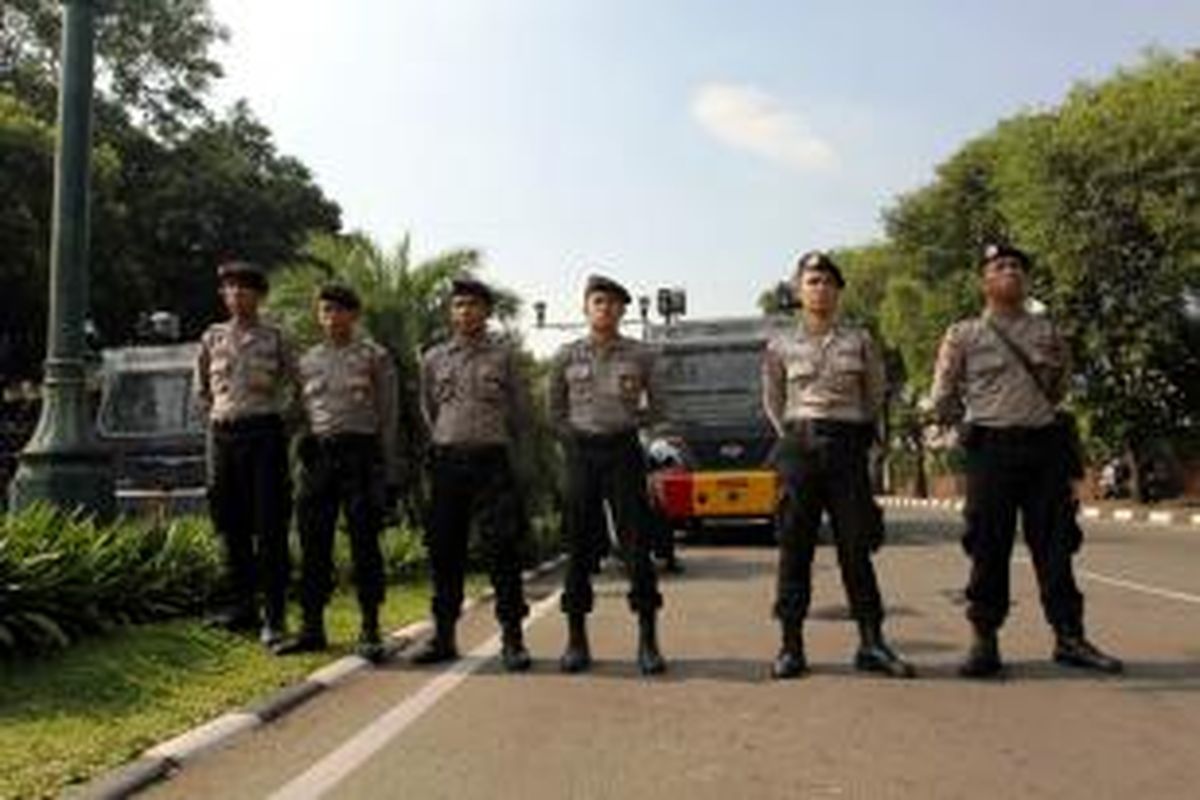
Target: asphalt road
717,726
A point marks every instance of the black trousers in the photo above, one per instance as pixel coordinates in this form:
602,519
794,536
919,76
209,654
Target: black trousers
341,473
1011,472
664,536
824,468
249,496
470,482
612,468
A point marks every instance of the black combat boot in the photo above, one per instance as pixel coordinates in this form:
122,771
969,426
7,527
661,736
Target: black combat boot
874,654
311,638
441,647
512,648
274,629
577,657
983,659
1072,649
650,660
790,663
370,639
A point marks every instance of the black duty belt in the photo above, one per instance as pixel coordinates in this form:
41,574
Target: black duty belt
253,423
340,440
599,440
1015,435
827,428
464,452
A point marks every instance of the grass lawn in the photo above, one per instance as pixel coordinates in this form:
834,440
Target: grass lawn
67,717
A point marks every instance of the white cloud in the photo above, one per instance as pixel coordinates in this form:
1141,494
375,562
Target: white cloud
747,118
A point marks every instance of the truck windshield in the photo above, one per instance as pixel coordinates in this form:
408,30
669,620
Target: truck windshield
711,384
141,403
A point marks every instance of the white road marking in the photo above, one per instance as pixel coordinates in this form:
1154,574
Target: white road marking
1133,586
352,754
1169,594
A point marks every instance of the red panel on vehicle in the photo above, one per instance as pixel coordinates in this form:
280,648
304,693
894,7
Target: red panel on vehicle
673,490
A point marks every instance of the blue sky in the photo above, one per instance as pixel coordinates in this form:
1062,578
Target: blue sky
668,142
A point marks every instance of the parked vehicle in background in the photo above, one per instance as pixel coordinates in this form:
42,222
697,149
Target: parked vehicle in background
148,416
710,461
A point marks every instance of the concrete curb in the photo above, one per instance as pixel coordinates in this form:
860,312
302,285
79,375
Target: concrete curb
168,757
125,781
1093,512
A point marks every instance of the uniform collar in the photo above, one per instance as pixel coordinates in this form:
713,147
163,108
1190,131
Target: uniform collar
460,342
609,345
356,339
235,325
835,330
1004,319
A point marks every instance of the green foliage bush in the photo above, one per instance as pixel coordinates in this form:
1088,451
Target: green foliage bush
62,576
404,555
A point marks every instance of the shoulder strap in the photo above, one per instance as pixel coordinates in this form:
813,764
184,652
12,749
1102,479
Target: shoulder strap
1022,358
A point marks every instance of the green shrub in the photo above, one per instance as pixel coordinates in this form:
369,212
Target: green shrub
544,539
62,576
404,554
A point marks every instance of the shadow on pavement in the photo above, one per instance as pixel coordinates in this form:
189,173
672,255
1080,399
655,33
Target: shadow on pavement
679,670
841,613
917,532
1140,676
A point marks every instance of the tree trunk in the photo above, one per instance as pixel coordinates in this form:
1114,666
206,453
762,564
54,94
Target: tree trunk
1137,480
922,481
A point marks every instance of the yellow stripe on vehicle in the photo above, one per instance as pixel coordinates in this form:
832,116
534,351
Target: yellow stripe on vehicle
742,493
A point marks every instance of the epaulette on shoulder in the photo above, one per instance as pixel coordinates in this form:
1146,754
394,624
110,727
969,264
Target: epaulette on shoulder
500,339
969,326
430,349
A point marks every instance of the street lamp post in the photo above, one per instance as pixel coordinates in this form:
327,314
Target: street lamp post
64,464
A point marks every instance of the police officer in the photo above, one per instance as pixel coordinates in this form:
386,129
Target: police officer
476,405
349,463
600,392
245,381
823,385
1004,374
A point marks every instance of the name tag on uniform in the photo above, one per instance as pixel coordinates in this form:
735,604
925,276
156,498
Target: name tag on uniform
630,383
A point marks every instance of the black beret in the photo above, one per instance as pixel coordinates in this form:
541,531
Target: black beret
472,287
243,273
816,261
599,283
340,294
994,251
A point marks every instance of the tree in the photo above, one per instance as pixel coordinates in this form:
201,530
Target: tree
1105,191
175,188
1109,197
26,178
221,192
153,56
